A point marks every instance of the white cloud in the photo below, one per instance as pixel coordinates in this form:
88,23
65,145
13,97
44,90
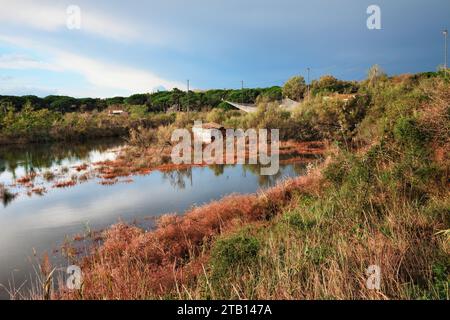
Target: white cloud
113,76
48,16
10,85
104,77
22,62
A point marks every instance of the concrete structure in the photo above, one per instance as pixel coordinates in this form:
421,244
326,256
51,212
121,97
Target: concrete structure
286,104
203,133
122,113
249,108
342,97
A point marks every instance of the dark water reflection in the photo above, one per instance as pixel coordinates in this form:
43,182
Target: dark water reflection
24,159
43,222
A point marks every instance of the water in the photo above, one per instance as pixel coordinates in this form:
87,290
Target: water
41,223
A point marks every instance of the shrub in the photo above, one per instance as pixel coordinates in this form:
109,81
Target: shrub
234,252
407,133
329,84
295,88
299,220
142,137
216,115
333,118
225,106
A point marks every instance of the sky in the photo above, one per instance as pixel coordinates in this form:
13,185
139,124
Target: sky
136,46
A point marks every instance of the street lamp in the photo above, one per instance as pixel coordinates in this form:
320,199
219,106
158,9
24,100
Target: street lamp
308,69
445,33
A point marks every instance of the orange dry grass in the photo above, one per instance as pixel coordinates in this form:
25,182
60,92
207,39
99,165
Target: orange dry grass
82,167
64,184
26,179
134,264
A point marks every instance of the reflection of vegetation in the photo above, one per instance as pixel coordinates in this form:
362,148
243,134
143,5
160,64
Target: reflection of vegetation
43,156
218,169
263,181
5,195
178,178
299,169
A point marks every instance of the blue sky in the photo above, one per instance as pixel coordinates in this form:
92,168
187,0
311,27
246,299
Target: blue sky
125,47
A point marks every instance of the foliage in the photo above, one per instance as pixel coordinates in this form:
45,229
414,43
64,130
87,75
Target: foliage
295,88
142,137
236,251
328,84
335,119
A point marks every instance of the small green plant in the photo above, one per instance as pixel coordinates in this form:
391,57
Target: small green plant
441,279
234,252
407,133
299,221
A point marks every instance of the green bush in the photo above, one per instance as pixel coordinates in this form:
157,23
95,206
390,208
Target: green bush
295,88
407,133
225,106
234,252
298,220
332,118
328,84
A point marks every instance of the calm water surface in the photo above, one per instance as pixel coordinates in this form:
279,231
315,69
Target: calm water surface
41,223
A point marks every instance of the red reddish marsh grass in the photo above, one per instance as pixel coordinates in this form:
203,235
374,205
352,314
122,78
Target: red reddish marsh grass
65,184
135,264
25,180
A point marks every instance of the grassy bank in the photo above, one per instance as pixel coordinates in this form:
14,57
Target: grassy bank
381,198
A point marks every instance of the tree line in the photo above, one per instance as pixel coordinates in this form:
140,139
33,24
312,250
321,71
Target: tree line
155,102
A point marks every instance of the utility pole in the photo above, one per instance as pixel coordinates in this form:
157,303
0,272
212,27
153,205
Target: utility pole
187,96
308,69
242,91
445,33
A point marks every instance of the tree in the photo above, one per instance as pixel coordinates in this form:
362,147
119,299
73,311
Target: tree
63,104
115,101
138,99
273,93
176,97
326,83
295,88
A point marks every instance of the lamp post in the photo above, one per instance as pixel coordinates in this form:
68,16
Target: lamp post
308,69
187,93
242,91
445,33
